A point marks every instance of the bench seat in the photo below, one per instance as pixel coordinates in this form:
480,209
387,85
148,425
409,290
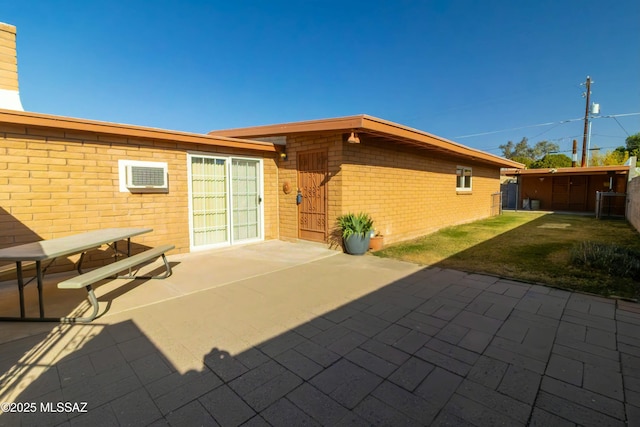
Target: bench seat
111,270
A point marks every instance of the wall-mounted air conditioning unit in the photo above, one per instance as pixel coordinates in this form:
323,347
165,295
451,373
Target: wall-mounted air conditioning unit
140,176
146,176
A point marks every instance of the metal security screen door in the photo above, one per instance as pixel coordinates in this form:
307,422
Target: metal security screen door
225,200
312,181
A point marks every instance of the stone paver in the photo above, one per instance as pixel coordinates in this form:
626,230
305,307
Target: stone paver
334,340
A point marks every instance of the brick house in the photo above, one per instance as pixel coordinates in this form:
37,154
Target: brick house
411,182
61,175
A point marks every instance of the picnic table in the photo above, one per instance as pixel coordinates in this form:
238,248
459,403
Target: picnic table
49,250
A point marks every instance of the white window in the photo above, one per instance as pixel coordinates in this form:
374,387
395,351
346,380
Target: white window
463,178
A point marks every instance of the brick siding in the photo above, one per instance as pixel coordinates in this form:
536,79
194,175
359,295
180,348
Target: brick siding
55,183
8,58
408,192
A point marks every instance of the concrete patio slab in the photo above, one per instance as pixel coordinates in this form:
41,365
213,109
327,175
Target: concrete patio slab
288,334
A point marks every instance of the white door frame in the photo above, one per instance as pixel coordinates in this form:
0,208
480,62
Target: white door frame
228,170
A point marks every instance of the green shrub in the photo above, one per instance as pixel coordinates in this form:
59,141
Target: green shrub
358,224
608,258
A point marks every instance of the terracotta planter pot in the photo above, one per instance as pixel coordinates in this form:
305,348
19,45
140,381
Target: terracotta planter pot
376,243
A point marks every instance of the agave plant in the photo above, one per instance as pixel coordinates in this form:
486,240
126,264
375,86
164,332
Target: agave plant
355,224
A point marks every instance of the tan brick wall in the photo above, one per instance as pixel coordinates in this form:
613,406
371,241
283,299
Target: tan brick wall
633,202
8,58
408,192
54,184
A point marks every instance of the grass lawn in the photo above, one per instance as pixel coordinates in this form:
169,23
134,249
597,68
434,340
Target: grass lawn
533,247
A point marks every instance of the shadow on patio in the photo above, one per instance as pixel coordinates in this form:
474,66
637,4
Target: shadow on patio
332,341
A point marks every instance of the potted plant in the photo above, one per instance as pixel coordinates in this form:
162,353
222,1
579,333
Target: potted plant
377,241
356,232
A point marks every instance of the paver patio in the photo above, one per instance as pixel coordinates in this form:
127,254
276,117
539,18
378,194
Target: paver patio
289,334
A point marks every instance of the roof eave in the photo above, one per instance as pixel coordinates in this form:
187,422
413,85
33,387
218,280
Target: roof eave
576,170
339,123
22,118
440,143
364,123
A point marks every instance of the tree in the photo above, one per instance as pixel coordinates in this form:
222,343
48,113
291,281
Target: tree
526,161
523,153
552,161
609,158
633,144
615,157
544,148
521,149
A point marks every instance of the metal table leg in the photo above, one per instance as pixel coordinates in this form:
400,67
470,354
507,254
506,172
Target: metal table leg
129,252
79,266
20,287
40,287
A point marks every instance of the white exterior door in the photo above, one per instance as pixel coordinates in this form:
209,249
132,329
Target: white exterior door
225,200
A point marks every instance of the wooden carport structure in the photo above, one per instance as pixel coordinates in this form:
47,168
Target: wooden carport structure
570,189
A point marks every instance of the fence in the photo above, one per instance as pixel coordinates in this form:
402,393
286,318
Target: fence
610,204
496,204
509,195
633,202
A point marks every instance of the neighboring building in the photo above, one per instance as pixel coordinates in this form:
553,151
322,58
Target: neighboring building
411,182
571,189
61,175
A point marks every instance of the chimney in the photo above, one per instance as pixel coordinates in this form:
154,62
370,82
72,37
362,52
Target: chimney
9,95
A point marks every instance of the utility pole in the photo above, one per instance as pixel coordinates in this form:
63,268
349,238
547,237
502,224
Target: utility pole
574,156
586,123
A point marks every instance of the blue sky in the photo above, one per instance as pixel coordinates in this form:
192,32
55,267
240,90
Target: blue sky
452,68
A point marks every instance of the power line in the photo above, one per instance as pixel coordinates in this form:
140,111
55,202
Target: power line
618,115
625,131
561,139
548,130
613,116
606,136
518,128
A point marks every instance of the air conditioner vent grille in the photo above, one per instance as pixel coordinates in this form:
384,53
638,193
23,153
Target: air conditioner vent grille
144,176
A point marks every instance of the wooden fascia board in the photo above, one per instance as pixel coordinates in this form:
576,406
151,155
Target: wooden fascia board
441,144
598,170
343,123
380,127
80,125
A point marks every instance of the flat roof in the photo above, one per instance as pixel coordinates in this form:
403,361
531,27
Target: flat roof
591,170
374,129
23,118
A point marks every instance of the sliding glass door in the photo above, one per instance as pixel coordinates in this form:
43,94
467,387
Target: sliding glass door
209,201
225,200
245,190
